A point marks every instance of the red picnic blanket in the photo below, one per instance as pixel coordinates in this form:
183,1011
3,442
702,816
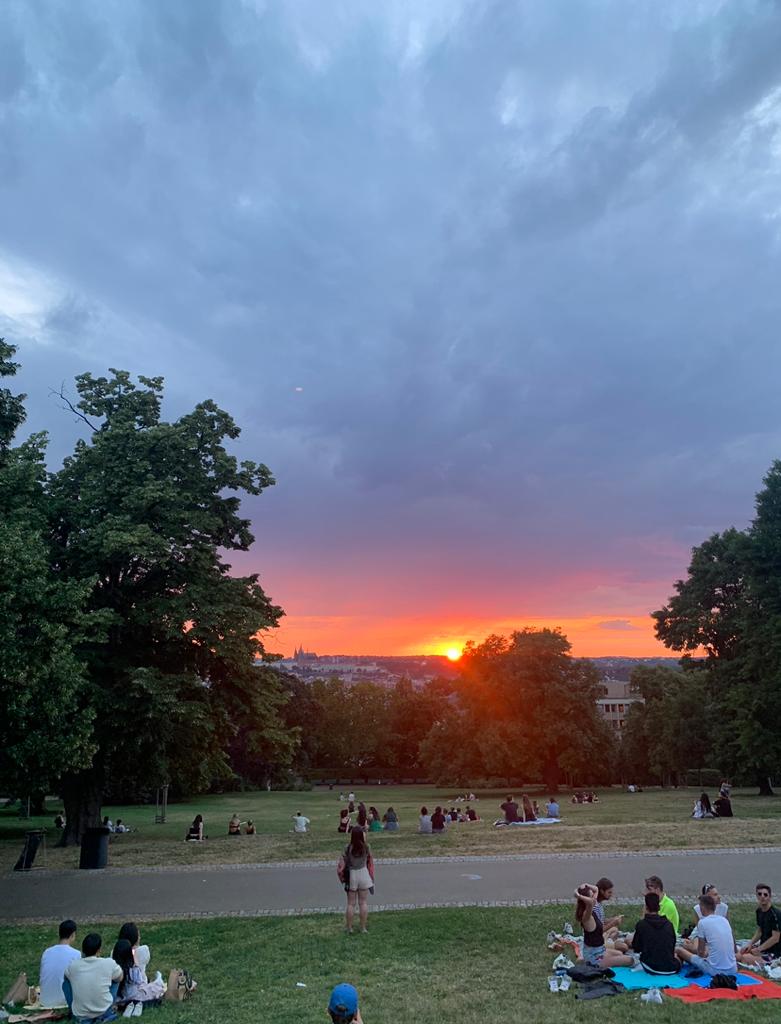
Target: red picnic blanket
696,994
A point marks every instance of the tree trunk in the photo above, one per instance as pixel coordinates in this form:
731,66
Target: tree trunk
551,775
765,789
37,803
82,795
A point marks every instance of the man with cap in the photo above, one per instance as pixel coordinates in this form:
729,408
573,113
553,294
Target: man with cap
343,1005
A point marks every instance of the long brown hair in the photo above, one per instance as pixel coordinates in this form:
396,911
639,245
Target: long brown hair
580,906
357,841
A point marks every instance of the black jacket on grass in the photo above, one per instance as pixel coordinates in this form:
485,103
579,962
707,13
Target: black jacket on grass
654,940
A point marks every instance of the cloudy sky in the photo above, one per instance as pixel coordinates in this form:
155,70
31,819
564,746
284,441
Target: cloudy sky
491,286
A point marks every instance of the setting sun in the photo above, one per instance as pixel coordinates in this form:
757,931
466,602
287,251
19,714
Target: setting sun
453,653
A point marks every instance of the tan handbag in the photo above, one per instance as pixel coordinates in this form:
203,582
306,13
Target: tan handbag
180,986
18,992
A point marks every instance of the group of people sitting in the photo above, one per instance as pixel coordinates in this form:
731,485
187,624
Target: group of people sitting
528,810
367,820
235,823
437,822
708,944
585,796
119,827
93,987
720,808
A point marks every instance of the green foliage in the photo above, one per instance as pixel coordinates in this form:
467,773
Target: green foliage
526,709
730,606
143,510
46,725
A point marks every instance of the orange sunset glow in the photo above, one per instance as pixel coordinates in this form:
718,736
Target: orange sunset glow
590,636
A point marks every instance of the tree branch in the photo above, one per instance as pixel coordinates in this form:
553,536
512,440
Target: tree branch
67,404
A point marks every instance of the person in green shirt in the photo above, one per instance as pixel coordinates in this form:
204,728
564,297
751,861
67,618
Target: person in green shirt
666,906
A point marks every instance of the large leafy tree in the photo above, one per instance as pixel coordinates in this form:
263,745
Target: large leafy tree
729,606
144,510
46,725
534,706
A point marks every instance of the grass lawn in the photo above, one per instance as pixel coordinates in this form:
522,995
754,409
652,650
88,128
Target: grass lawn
656,819
465,965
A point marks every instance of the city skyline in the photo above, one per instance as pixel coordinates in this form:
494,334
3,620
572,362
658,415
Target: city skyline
491,288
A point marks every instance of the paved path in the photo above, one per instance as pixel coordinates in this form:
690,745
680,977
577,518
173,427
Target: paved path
259,890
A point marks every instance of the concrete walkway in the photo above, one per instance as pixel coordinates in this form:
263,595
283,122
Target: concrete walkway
274,889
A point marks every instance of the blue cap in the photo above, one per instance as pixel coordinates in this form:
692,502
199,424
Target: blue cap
344,999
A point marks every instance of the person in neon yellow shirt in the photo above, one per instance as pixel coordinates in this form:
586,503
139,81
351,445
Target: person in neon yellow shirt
666,906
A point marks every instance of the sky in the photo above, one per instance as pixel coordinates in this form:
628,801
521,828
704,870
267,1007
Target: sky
492,287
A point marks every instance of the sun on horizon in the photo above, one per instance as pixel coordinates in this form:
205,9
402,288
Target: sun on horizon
453,653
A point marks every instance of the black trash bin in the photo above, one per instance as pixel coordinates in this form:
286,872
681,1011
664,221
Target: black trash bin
32,840
94,848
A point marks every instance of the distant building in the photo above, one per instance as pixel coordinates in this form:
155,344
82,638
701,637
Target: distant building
618,699
302,657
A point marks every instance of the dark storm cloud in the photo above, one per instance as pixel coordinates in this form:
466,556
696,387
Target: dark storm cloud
521,259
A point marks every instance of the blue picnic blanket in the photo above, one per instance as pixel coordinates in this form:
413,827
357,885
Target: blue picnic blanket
641,979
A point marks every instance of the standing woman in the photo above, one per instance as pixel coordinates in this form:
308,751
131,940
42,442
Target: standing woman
357,872
594,952
362,816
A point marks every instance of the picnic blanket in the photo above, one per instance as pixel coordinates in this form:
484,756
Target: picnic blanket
501,823
640,979
762,989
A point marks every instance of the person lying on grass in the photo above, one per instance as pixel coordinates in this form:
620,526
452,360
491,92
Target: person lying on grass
765,944
594,952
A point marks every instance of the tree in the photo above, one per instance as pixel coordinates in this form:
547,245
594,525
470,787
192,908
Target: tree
730,606
540,705
142,511
46,726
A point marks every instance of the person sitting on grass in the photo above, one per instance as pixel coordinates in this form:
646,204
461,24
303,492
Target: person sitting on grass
375,825
654,940
390,820
702,807
666,906
343,1005
610,925
528,810
765,944
715,943
472,814
300,823
722,805
722,909
195,831
344,821
510,808
438,822
595,953
552,807
249,829
234,826
425,822
134,989
90,984
53,963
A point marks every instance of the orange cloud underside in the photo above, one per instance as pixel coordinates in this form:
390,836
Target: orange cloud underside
590,636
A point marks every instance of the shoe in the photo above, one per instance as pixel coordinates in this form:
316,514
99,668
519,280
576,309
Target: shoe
653,995
552,937
364,931
158,978
568,929
128,1010
138,1009
562,962
564,983
553,983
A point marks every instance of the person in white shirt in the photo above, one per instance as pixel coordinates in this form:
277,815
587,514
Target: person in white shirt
91,983
715,942
53,963
300,823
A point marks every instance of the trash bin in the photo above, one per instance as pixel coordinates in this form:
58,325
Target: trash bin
94,848
32,840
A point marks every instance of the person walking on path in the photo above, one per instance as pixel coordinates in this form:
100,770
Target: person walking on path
356,872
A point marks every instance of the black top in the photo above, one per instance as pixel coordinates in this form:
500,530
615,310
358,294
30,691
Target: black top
472,815
654,940
769,921
596,938
437,820
510,808
723,807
